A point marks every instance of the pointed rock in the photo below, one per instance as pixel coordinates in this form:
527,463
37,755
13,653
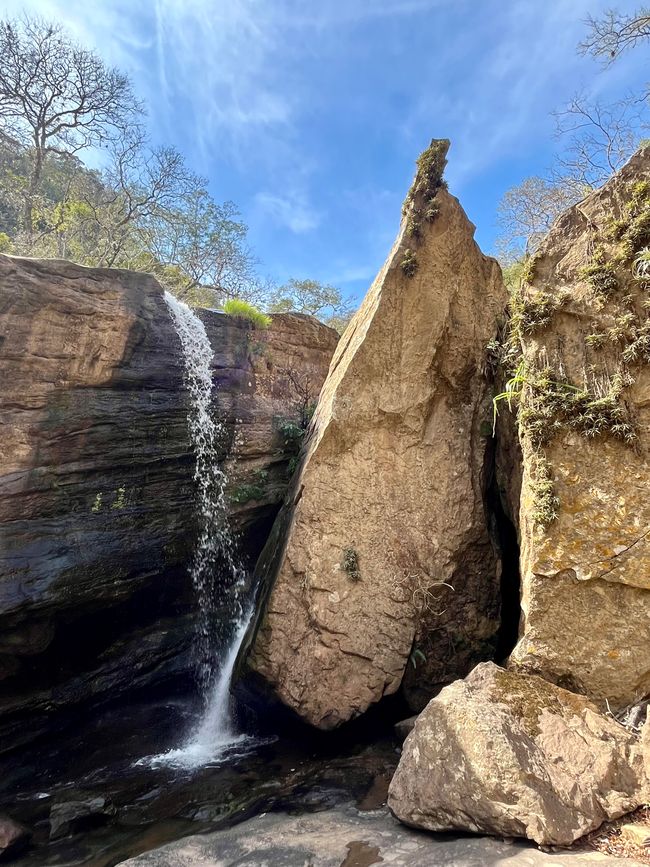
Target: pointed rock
383,555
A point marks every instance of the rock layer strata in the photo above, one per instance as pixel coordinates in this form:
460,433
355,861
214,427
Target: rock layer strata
96,490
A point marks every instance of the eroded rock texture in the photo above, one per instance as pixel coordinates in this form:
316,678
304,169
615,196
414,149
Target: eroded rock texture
584,427
383,554
513,755
96,491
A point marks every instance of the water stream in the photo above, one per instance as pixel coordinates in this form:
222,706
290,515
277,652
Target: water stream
216,574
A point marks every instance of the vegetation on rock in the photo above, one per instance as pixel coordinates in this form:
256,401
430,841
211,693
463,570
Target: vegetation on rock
241,309
420,203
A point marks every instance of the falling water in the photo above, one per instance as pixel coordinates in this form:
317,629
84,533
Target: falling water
217,577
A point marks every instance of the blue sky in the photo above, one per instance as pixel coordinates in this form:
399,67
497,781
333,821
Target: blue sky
309,114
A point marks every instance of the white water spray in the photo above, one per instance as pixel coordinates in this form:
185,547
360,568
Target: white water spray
217,577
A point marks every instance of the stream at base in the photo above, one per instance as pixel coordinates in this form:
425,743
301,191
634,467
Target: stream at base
148,804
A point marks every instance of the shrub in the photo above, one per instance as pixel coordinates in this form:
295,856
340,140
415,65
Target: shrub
409,263
641,264
351,564
600,274
243,310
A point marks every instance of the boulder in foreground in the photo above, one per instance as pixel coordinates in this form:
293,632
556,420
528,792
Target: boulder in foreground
509,754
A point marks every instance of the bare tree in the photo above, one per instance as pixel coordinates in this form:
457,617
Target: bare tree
56,97
141,185
599,140
526,213
615,32
206,243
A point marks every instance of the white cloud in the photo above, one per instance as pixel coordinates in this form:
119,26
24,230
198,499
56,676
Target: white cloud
291,211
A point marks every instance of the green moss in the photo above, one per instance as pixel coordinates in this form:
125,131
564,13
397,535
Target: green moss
546,504
549,405
431,166
529,697
632,230
600,274
596,339
253,490
119,502
546,405
420,203
533,310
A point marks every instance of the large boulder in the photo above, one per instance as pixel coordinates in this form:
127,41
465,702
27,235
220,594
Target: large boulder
383,554
513,755
580,338
96,490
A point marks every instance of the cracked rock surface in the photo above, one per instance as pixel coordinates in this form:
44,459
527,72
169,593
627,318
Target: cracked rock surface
586,578
511,754
384,552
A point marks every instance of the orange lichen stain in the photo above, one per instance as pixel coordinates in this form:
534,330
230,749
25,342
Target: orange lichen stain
613,654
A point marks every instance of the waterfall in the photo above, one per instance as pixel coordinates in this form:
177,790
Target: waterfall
217,577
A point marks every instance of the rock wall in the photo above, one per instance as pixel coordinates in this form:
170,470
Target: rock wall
96,491
582,333
382,563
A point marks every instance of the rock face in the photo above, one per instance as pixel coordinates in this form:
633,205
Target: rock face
582,326
384,555
96,490
508,754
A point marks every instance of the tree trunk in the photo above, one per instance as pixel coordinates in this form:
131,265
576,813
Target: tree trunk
34,181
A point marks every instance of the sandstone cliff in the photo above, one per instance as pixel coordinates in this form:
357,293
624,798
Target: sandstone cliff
96,491
383,563
580,342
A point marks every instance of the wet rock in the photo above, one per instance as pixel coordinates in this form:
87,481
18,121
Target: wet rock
84,811
335,837
96,488
508,754
13,837
383,554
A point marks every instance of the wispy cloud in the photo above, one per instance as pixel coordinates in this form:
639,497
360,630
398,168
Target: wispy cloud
305,113
291,211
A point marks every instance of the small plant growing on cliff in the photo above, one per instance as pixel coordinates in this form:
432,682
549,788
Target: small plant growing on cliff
420,203
254,490
534,310
409,263
351,564
292,436
642,264
240,309
527,273
600,274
